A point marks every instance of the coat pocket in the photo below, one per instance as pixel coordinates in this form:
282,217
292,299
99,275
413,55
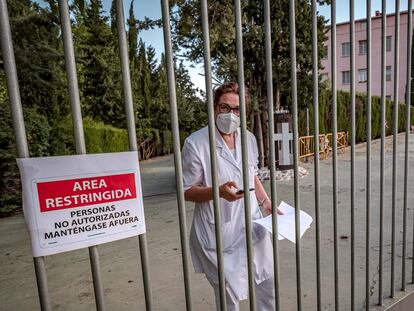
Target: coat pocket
229,238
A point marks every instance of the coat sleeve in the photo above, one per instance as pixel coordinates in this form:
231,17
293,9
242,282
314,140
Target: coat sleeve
193,172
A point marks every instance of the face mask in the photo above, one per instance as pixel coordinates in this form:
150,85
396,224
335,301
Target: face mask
227,123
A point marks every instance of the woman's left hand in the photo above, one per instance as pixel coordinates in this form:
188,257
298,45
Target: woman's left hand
267,206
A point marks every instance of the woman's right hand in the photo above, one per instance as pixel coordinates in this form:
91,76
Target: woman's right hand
228,191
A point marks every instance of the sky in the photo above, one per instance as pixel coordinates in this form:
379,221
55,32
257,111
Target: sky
152,9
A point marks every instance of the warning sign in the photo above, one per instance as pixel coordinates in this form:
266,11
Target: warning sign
78,201
61,194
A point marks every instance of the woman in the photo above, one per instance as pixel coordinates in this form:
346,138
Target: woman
198,188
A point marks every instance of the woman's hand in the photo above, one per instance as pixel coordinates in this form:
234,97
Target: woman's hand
227,191
267,206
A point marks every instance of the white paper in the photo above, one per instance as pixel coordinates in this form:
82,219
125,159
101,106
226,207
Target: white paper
72,202
286,222
266,222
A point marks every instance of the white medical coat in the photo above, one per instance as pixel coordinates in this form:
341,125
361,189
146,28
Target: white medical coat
197,171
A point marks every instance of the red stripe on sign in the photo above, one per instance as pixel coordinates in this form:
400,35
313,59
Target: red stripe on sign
70,193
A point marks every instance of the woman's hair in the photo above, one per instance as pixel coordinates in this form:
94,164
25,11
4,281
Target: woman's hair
233,88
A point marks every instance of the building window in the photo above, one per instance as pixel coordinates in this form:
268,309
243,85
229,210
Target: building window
388,97
363,47
346,77
346,49
362,75
388,73
324,77
388,43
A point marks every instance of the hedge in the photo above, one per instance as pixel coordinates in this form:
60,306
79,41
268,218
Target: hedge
52,138
48,137
38,136
344,115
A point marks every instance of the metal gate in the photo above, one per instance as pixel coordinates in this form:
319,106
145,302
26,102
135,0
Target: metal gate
383,289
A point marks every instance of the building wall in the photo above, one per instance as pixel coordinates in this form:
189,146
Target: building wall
343,62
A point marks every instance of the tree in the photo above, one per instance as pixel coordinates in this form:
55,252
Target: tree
190,106
38,47
113,19
152,63
160,105
144,78
132,36
39,58
99,65
187,37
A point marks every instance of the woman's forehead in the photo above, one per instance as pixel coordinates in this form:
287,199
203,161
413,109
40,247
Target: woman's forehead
230,99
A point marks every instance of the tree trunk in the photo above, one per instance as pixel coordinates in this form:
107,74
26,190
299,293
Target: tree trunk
276,97
260,140
251,117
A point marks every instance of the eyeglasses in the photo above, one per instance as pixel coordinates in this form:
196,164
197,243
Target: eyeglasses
225,108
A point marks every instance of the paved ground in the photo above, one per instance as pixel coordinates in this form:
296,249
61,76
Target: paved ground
69,274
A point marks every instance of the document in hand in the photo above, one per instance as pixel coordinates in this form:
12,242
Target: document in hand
286,222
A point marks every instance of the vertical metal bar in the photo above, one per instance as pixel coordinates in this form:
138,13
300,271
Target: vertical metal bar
408,101
79,135
382,156
394,140
245,161
272,163
97,278
72,77
334,150
407,140
126,78
12,81
213,153
292,26
368,160
177,156
42,287
129,111
315,78
20,132
352,39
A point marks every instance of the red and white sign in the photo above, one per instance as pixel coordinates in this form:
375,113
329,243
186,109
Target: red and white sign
72,202
70,193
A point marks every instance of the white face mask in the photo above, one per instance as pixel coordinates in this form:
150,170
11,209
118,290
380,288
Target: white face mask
227,123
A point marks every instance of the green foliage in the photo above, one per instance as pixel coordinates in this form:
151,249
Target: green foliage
144,133
43,87
9,174
167,142
186,24
188,41
47,139
344,115
3,89
39,58
144,94
98,66
100,138
38,138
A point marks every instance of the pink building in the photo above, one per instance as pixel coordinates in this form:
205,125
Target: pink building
343,52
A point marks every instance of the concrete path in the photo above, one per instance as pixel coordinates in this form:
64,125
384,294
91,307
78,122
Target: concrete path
158,176
69,274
